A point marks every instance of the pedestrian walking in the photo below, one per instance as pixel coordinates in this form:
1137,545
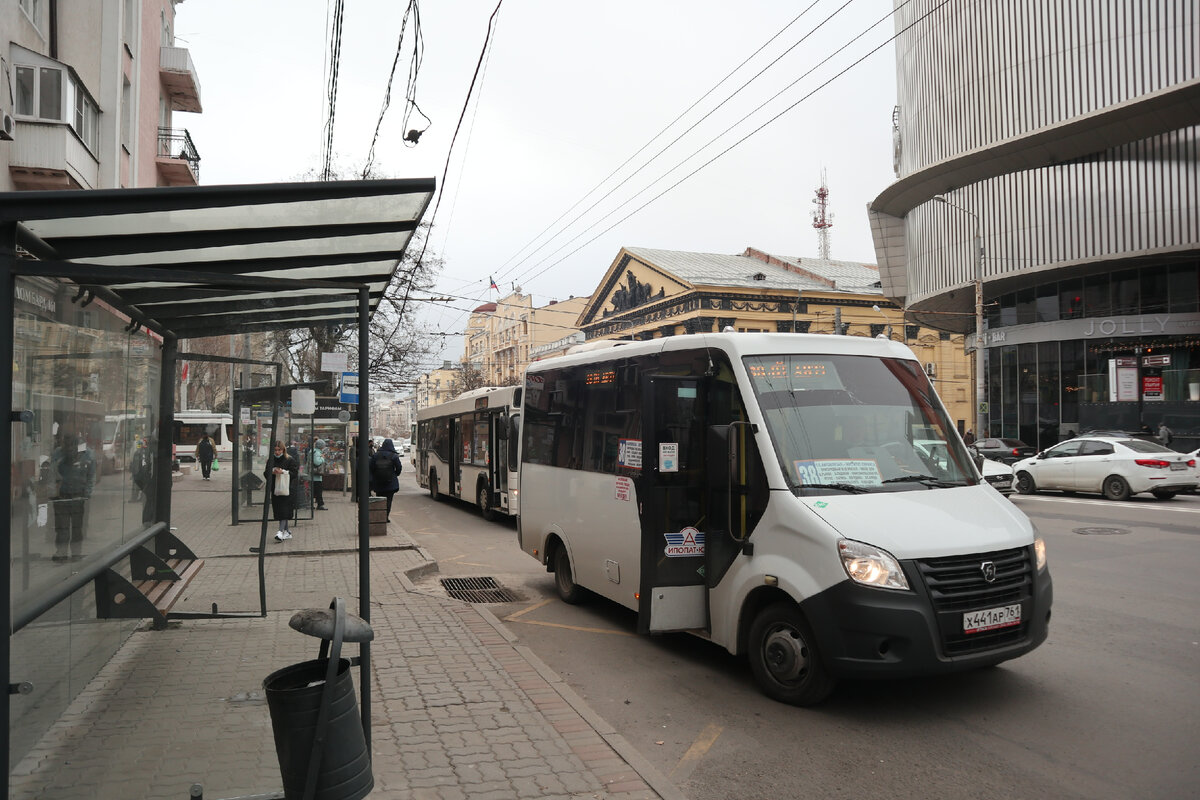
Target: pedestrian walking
1165,434
319,465
385,471
282,469
206,451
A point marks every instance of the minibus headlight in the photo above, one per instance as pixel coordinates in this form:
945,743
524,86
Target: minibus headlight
1039,549
870,565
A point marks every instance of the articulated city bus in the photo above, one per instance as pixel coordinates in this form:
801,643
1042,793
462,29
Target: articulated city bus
466,448
767,492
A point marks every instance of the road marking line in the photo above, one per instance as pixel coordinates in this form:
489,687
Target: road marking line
568,627
533,607
699,748
1097,502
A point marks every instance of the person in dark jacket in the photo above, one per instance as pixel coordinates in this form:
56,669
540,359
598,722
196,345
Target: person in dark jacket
385,471
206,451
281,504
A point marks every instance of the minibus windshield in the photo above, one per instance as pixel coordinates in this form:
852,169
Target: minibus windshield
857,424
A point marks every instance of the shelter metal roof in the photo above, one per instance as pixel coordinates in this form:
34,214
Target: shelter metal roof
208,260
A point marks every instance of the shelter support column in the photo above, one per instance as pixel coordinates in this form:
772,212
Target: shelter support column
8,249
362,487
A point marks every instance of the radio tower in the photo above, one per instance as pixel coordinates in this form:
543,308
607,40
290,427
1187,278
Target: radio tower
822,219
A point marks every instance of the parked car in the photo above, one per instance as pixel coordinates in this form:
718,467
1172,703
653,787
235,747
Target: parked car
1006,451
1195,456
1116,467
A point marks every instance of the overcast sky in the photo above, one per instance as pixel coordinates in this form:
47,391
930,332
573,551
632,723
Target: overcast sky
569,92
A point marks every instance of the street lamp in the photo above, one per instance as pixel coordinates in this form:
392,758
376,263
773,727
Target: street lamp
980,417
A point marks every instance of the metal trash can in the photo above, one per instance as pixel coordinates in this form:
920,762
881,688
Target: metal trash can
314,714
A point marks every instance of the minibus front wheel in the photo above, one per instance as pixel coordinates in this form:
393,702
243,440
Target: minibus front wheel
784,657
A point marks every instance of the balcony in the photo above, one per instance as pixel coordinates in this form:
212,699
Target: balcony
179,78
177,159
50,156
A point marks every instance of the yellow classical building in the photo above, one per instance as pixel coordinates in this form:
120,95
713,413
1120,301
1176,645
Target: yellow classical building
646,294
504,336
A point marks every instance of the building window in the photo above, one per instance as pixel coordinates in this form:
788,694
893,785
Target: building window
36,11
911,332
45,93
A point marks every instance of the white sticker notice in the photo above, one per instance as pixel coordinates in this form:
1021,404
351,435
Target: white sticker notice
668,456
629,453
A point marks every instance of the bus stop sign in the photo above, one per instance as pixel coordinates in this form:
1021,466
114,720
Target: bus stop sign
349,387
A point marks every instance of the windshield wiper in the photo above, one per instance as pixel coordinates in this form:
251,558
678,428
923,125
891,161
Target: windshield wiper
841,487
927,480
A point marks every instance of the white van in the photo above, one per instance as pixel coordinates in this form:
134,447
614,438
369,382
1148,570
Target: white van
767,492
189,426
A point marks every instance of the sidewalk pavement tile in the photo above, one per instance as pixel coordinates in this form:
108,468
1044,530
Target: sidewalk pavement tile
458,708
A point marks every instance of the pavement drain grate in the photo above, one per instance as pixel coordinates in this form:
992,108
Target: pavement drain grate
1101,531
478,590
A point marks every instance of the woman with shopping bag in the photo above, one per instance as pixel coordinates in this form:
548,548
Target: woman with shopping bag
282,473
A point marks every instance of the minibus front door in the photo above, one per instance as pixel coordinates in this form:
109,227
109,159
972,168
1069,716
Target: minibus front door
674,594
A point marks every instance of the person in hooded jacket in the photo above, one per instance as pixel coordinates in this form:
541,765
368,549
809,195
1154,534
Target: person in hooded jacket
385,470
206,452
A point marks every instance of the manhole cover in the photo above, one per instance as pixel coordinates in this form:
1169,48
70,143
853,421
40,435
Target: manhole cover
478,590
1101,531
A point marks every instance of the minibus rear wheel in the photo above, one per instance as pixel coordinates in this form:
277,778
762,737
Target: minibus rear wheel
564,581
784,657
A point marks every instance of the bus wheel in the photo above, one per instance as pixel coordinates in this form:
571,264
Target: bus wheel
433,490
784,657
484,496
564,582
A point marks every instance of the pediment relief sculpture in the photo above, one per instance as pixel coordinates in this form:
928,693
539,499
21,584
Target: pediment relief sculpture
632,294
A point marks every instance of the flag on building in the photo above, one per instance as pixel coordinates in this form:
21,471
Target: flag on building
493,284
183,374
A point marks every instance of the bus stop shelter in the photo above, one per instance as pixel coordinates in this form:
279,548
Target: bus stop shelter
169,264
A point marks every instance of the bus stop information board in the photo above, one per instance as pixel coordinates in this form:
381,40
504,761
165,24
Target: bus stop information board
349,387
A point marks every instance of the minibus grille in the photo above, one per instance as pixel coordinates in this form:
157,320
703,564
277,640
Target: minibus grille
956,584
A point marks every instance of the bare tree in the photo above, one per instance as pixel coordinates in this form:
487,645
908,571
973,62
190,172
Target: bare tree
397,343
467,377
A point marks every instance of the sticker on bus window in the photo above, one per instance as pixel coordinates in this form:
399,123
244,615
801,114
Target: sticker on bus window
624,488
858,471
668,456
688,542
629,453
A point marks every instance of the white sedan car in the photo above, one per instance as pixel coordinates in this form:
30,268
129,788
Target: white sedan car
1117,467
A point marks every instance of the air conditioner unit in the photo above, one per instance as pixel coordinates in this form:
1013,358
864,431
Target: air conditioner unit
8,127
930,369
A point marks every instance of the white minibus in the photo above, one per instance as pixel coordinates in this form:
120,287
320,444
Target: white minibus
765,491
467,448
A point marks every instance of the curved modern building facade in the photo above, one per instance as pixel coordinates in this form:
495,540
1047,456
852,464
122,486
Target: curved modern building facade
1052,150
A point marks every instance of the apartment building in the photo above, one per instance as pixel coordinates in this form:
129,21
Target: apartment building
504,336
95,91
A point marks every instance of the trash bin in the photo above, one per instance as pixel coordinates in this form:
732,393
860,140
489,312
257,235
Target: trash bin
318,732
294,697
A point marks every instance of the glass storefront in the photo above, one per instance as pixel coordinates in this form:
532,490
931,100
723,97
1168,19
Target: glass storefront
89,393
1043,393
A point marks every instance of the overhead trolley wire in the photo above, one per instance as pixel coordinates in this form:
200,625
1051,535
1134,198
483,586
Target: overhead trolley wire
735,144
410,96
412,271
668,126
